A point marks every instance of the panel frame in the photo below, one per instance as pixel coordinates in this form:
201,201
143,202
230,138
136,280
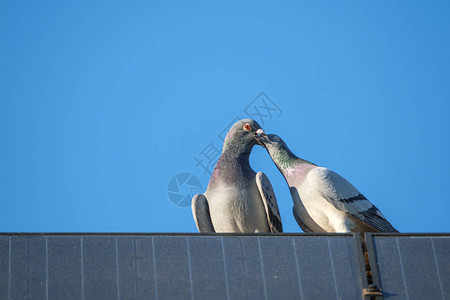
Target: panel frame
359,243
371,249
355,237
155,234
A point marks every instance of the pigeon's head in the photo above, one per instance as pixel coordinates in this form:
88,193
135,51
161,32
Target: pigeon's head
276,147
243,134
280,153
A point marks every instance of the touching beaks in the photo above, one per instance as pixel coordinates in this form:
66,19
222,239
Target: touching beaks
259,134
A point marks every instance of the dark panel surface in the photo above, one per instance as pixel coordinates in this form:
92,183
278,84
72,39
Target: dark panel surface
412,267
279,268
4,267
99,262
441,247
64,268
180,267
208,268
173,270
346,274
136,269
27,268
244,273
328,268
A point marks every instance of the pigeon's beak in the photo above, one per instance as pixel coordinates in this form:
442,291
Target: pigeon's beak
260,136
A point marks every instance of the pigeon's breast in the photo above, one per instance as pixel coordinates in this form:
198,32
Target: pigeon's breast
237,208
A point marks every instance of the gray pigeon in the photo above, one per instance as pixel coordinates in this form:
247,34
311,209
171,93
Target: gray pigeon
323,200
237,199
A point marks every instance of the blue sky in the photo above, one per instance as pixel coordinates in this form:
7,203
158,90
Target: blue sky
103,103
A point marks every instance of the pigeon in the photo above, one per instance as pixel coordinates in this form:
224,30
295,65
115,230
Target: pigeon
237,199
323,200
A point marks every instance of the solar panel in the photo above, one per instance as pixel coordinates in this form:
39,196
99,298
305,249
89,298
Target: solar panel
411,266
176,266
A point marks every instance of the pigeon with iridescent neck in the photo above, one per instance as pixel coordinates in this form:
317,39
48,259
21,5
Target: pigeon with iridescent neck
323,200
237,198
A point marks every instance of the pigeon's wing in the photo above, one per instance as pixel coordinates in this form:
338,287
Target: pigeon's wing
300,222
270,202
345,197
200,210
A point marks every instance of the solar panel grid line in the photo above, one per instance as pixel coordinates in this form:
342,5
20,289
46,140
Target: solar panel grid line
332,268
19,282
135,264
243,267
139,259
117,269
190,268
9,270
437,268
46,268
28,267
145,267
225,268
31,281
442,252
128,251
154,268
82,268
262,268
297,267
38,267
402,269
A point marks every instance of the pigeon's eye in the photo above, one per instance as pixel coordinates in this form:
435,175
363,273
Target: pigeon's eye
247,127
